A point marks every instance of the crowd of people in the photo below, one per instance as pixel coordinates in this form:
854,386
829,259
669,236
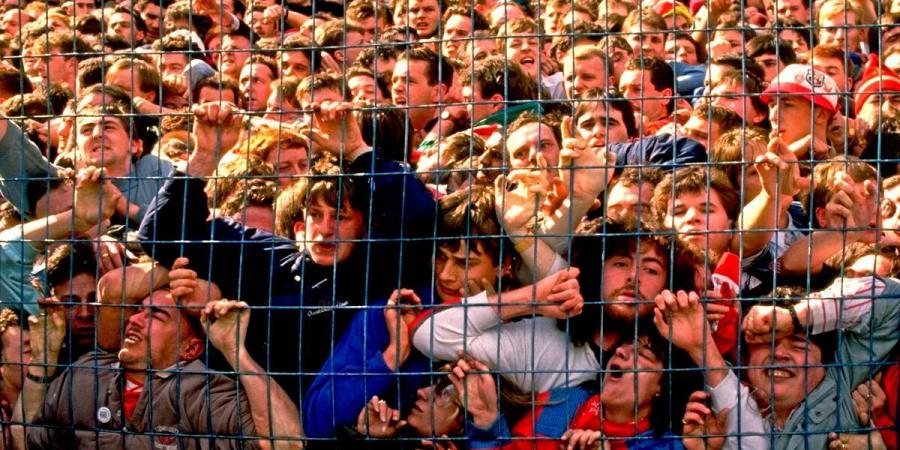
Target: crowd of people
450,224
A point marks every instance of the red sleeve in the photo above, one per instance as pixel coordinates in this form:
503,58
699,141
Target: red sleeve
887,422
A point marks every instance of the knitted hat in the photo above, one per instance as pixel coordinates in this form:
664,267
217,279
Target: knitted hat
877,78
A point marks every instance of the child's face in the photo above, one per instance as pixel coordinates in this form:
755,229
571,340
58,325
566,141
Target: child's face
454,269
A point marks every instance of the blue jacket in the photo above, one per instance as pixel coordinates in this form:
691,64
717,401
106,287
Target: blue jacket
356,371
305,307
661,151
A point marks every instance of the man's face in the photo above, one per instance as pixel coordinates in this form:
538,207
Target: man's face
84,7
424,17
581,76
524,144
702,130
363,89
104,142
457,29
13,21
524,50
481,48
624,201
793,9
152,16
792,37
410,87
645,98
172,63
700,220
121,25
53,67
790,117
769,63
478,106
78,294
435,413
234,51
255,82
733,97
453,269
631,282
682,50
602,126
294,64
834,68
840,30
784,375
329,230
553,15
290,162
152,335
647,42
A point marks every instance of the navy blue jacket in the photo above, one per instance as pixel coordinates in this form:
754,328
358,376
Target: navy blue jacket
301,308
660,151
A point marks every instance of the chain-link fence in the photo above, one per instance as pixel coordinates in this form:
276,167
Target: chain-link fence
582,224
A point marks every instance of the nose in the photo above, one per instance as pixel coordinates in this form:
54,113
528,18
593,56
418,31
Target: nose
138,319
447,271
623,352
83,311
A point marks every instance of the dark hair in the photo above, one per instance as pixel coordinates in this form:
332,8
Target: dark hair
594,242
70,260
768,44
437,70
699,48
469,215
613,99
495,75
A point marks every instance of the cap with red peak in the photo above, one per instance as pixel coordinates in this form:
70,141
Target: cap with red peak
876,78
804,81
668,8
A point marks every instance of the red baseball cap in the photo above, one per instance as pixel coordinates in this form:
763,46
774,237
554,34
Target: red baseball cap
804,81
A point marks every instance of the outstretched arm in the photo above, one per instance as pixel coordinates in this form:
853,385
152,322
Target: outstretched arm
275,417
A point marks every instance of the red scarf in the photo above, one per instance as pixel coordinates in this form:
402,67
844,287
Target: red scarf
130,396
588,418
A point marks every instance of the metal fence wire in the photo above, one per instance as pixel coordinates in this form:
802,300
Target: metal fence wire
449,224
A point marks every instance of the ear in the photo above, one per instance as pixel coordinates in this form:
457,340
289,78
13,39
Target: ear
299,228
441,91
822,217
137,147
191,350
823,117
339,56
667,92
497,102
